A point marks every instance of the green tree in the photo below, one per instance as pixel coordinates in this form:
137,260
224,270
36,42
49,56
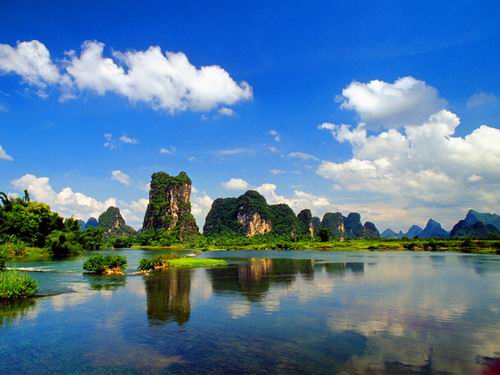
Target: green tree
324,235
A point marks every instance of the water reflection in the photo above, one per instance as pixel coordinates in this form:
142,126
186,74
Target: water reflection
255,278
10,312
341,313
106,283
167,295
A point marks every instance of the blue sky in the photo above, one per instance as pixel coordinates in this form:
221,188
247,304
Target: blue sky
283,69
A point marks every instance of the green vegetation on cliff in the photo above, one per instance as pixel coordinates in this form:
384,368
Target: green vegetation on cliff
169,206
113,224
250,215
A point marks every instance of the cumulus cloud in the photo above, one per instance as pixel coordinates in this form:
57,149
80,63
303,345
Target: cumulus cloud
391,105
481,98
276,171
128,140
75,204
66,202
302,156
4,155
235,151
424,165
236,184
31,61
276,136
298,201
162,80
200,205
121,177
225,112
167,150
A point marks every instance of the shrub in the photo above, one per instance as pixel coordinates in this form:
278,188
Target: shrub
63,243
4,256
149,264
172,260
122,242
323,234
14,285
101,263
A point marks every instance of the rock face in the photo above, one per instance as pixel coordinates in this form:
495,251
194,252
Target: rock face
250,215
433,230
169,206
81,224
306,224
113,223
477,225
414,231
370,230
91,222
390,234
477,230
316,224
485,218
353,226
334,223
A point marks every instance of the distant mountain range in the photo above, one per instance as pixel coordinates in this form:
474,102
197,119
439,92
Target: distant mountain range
474,225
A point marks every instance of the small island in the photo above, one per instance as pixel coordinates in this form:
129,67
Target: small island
109,265
164,262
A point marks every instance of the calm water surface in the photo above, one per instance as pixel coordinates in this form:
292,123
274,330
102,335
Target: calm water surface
269,312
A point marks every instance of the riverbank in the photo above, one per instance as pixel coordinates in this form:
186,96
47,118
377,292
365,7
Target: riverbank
465,246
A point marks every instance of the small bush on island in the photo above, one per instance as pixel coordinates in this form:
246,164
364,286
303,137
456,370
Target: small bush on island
163,262
15,285
105,264
157,262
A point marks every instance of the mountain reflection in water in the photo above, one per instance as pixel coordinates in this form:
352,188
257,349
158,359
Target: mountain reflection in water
268,312
168,293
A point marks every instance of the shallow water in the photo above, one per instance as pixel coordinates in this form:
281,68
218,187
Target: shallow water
274,312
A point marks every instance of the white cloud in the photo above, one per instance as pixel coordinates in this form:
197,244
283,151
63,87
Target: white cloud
162,80
4,155
167,150
276,136
200,205
236,184
30,60
121,177
481,98
392,105
128,140
165,81
235,151
302,156
225,112
298,201
425,165
70,203
277,171
66,202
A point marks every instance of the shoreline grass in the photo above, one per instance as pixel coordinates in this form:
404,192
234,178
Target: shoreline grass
16,285
164,262
453,245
